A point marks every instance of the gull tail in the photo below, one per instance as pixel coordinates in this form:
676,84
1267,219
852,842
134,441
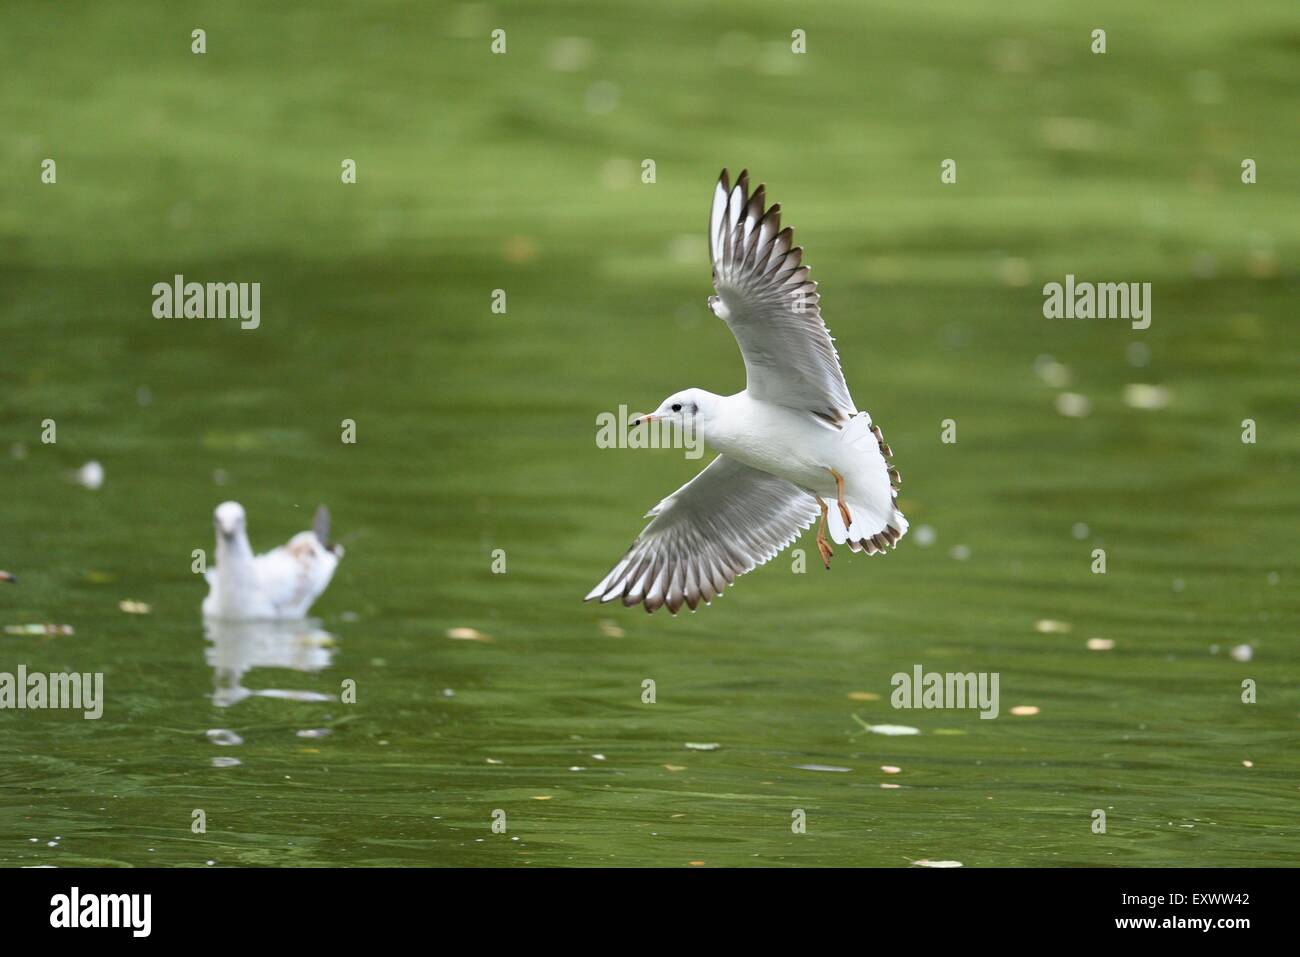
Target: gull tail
873,503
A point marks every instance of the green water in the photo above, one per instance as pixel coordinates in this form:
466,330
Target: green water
476,431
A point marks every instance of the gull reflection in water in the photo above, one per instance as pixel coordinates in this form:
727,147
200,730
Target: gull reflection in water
237,647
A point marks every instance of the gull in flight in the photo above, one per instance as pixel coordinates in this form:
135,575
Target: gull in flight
282,584
789,442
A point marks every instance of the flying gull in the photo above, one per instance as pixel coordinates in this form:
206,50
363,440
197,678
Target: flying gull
282,584
789,442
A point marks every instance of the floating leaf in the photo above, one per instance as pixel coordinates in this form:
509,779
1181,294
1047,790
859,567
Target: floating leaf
820,767
1138,395
45,630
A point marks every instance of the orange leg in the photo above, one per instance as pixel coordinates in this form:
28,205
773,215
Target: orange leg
844,509
823,546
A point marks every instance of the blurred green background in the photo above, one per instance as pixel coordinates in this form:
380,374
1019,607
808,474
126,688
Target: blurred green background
476,431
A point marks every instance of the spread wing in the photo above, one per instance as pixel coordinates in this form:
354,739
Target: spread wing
766,297
719,525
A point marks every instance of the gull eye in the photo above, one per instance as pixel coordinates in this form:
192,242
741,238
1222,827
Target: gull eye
677,407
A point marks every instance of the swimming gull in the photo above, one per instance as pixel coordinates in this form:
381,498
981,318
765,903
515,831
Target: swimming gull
281,584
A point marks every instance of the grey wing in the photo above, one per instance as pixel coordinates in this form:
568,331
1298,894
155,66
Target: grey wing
321,525
719,525
771,306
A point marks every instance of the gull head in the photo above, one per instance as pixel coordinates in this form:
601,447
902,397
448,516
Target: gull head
229,520
687,409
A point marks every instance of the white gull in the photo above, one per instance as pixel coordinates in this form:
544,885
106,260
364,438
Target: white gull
281,584
790,441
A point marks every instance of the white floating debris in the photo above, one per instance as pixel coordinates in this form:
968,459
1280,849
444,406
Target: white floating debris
1247,764
1242,653
821,767
1101,644
924,535
293,695
226,762
1140,396
1073,405
467,634
44,629
891,769
706,746
134,607
891,729
611,629
224,736
315,733
91,475
1024,710
1049,626
1052,372
937,863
